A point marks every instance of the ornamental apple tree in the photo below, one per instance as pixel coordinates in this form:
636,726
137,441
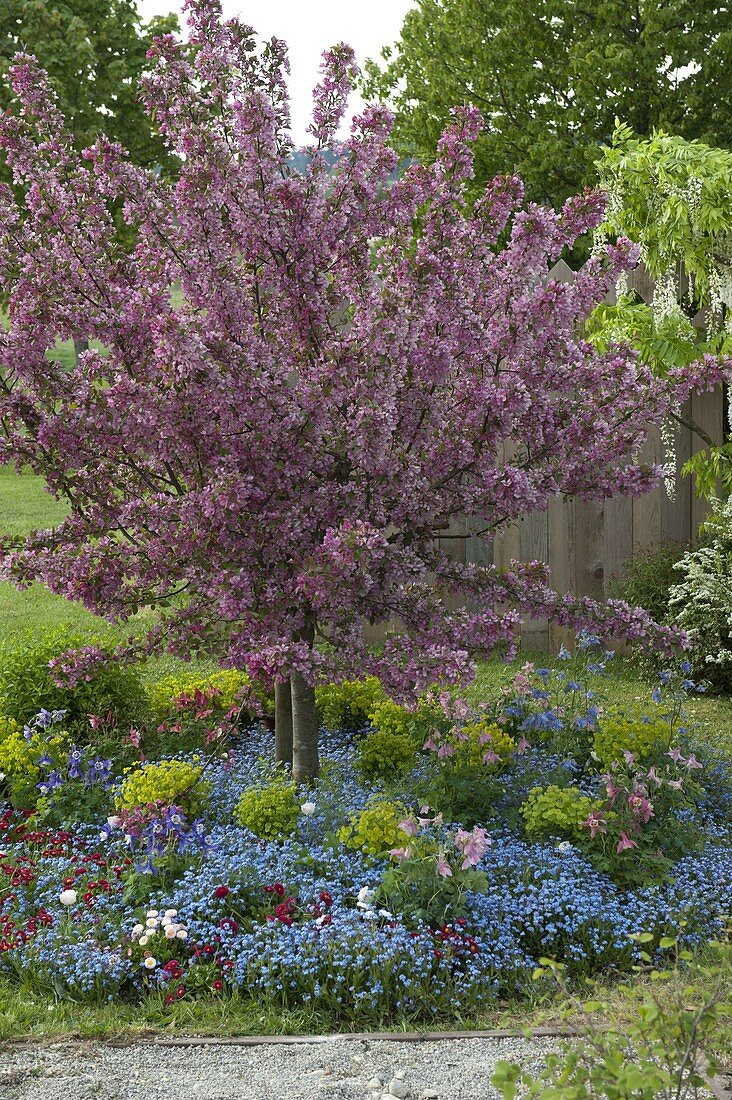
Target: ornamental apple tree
299,371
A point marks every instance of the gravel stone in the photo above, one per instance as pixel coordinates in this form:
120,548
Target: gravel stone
455,1069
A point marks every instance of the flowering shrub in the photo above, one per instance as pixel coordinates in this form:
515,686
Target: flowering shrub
434,870
270,810
558,811
638,734
376,829
31,667
385,754
461,776
219,690
347,705
168,783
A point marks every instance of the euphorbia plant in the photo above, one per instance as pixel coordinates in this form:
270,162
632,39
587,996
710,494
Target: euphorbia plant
299,375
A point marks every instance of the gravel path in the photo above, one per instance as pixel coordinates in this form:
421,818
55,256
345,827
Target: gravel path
456,1069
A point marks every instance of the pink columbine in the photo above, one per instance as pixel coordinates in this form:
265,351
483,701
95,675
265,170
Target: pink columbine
675,755
629,757
676,784
409,826
612,790
443,868
654,777
400,854
522,746
625,843
595,823
485,738
446,750
472,845
491,757
640,806
692,762
430,745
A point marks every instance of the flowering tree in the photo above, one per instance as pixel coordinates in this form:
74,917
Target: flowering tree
296,379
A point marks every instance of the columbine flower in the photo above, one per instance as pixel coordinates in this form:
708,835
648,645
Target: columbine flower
640,806
675,755
399,854
472,845
624,843
522,746
654,776
692,762
67,897
308,808
409,826
564,846
491,757
443,868
595,823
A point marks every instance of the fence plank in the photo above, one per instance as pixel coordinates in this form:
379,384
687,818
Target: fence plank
534,546
707,410
561,560
617,538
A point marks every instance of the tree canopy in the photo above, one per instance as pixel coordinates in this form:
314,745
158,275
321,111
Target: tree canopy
94,54
550,77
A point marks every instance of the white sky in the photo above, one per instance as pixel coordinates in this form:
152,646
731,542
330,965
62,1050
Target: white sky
309,27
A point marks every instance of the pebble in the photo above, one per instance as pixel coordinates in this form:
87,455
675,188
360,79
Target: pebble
438,1070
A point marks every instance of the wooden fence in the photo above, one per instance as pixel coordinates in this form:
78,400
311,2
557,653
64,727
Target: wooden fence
585,543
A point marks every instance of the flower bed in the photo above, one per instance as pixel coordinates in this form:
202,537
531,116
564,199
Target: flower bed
543,825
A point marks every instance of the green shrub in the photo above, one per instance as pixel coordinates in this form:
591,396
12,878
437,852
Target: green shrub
701,599
270,810
220,687
347,705
383,754
168,782
636,733
376,829
16,757
473,741
648,578
558,811
27,684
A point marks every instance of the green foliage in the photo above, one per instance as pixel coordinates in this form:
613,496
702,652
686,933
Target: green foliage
95,55
220,688
375,830
658,1052
270,810
384,754
701,601
558,811
462,777
636,733
15,752
550,80
27,684
673,198
348,704
168,783
648,578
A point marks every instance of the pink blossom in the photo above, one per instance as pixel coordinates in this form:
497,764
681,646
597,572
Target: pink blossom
640,806
522,746
675,755
625,843
596,823
473,845
676,784
409,826
445,750
692,763
491,757
654,777
443,867
400,854
629,757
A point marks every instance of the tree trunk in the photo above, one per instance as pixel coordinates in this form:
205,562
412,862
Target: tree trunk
283,722
304,731
79,346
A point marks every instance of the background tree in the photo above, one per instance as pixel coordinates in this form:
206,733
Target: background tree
550,77
673,198
94,54
270,453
